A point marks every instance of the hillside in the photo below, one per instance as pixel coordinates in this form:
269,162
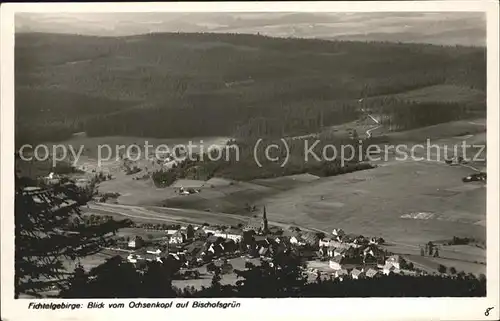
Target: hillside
185,85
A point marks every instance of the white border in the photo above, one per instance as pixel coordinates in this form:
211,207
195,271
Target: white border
354,309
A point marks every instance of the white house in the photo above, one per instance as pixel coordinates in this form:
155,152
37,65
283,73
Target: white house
219,233
177,238
394,260
131,244
132,258
327,242
231,234
295,240
235,237
151,251
338,232
336,262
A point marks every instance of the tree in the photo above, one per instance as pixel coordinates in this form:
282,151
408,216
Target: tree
452,270
430,246
190,232
44,239
441,268
320,235
116,278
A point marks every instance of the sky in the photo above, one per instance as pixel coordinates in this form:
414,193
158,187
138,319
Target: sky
443,28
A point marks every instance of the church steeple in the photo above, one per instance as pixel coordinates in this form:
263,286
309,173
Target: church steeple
264,227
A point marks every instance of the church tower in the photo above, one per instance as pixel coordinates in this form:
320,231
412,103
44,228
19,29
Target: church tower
263,226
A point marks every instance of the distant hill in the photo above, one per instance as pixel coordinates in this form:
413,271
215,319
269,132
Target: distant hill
195,84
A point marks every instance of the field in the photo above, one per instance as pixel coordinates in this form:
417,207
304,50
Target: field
387,193
405,202
443,93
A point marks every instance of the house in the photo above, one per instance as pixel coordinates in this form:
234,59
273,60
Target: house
323,251
170,231
133,258
394,260
371,273
336,262
275,230
337,232
194,248
340,251
341,274
281,240
296,240
154,251
357,274
327,242
389,268
310,238
337,244
200,233
212,239
263,250
177,238
234,234
220,233
136,243
331,251
210,230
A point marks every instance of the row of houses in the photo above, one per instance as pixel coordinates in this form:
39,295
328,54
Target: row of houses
393,264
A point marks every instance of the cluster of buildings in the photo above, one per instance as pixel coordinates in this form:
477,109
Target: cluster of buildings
347,255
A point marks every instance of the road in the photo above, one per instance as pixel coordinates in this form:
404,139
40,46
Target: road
174,215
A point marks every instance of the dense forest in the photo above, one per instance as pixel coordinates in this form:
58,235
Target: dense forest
240,163
185,85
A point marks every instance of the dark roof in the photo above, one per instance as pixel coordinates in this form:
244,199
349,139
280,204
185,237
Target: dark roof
338,258
212,239
260,238
194,247
233,231
310,237
200,231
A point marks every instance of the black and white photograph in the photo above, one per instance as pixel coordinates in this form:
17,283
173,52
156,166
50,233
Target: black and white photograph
215,156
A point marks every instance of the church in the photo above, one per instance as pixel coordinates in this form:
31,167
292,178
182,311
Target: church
258,225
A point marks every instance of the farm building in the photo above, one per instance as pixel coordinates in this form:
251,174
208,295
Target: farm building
177,238
336,262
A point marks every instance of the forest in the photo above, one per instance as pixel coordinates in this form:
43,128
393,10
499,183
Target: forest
186,85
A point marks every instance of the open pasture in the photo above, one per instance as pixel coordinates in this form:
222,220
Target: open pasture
372,202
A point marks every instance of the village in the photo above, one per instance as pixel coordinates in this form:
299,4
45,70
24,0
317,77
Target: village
187,248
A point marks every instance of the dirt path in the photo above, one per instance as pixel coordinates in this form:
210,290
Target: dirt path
174,215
